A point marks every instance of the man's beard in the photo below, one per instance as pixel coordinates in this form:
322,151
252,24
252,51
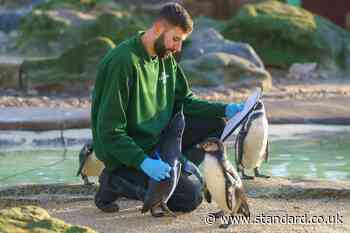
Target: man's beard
159,47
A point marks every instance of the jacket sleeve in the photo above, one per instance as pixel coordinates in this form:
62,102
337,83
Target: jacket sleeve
112,116
191,104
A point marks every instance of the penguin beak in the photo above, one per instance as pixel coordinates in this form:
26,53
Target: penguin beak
201,145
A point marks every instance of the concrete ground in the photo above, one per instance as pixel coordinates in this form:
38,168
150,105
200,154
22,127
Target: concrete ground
269,200
129,219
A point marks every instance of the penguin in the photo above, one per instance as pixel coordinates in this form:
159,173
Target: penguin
89,164
252,145
222,182
169,150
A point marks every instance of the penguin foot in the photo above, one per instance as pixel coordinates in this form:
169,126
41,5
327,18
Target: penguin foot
224,225
89,183
246,177
86,180
263,176
106,207
258,174
157,212
217,214
162,211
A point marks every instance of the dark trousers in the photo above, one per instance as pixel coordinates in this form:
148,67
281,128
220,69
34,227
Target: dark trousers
132,184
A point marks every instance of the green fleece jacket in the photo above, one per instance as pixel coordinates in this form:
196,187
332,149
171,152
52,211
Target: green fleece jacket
133,100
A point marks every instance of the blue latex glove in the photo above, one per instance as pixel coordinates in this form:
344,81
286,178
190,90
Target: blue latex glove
232,109
155,168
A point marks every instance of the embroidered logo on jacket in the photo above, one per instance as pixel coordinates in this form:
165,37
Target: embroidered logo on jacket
163,77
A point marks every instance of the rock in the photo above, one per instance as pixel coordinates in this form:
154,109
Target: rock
203,22
302,71
347,54
303,68
3,38
214,69
11,92
219,9
3,42
13,34
347,21
118,25
10,72
11,142
42,28
11,13
53,28
32,92
208,40
10,4
283,34
74,70
33,219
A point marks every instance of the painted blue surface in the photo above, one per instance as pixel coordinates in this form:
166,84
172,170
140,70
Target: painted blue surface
294,2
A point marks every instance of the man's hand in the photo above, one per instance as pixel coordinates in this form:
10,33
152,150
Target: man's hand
233,108
155,168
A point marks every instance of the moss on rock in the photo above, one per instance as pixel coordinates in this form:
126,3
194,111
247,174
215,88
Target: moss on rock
74,67
283,34
48,31
75,4
118,25
33,219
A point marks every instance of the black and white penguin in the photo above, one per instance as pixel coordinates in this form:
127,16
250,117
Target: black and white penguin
89,165
169,148
222,182
252,146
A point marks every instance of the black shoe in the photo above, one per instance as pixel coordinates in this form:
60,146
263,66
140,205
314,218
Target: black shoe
104,197
107,207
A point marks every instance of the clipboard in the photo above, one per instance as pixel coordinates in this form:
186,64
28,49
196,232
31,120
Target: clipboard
235,121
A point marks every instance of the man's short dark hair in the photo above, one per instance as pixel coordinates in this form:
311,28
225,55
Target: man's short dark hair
177,16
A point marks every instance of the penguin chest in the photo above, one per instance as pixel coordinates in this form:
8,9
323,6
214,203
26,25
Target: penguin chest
216,183
255,143
92,166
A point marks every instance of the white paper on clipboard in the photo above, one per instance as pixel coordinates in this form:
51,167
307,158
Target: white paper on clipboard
235,121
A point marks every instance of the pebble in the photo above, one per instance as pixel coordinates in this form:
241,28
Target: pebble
17,98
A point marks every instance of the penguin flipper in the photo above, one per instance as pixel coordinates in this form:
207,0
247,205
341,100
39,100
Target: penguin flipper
81,166
229,170
267,151
230,184
233,181
244,207
239,146
206,193
83,155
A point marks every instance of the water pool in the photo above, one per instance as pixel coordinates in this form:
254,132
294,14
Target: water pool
297,151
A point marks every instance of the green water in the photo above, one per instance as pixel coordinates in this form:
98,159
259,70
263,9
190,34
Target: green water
38,167
311,152
326,157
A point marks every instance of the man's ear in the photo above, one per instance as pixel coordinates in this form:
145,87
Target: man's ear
158,27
